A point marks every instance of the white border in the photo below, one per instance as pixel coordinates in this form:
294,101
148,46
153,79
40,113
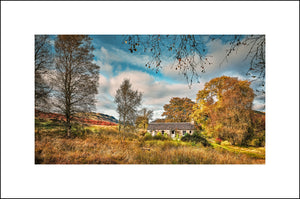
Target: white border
279,177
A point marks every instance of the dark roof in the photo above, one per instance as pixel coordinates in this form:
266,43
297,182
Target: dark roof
171,126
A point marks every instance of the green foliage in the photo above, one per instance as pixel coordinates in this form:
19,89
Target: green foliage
147,136
159,136
196,137
166,136
225,143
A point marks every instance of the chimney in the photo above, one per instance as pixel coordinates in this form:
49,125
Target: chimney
192,122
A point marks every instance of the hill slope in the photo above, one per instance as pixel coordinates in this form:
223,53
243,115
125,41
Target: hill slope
88,118
97,116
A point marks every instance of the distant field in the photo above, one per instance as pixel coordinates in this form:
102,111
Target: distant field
102,145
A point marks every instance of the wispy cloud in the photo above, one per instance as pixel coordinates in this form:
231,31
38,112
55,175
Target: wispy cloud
106,57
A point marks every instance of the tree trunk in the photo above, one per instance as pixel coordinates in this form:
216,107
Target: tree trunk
68,127
124,127
120,130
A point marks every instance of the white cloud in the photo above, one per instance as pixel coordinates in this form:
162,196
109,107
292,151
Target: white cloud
155,93
106,57
258,107
135,59
235,63
105,67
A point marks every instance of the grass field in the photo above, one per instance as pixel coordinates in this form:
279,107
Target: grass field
102,145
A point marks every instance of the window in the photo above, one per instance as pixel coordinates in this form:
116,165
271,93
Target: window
173,132
162,132
183,132
190,132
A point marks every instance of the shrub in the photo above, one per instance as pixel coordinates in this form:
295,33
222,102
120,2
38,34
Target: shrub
196,137
158,136
218,140
147,136
186,137
225,143
255,142
166,136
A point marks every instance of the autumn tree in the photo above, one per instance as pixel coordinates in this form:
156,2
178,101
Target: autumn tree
75,79
127,101
178,110
144,117
190,52
224,109
43,62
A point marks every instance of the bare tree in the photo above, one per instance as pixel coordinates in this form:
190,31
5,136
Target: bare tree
190,52
75,77
144,117
43,61
128,101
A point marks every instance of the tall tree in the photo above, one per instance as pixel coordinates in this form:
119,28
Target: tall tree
75,77
127,101
43,61
178,110
144,117
224,109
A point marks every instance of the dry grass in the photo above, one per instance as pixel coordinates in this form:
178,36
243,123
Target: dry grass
102,145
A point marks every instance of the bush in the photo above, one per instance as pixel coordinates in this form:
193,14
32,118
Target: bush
166,136
255,142
218,140
196,137
186,137
225,143
158,136
147,136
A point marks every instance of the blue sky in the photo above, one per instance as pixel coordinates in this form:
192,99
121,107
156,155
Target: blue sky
117,63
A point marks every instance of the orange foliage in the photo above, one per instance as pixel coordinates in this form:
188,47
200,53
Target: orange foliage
224,107
178,110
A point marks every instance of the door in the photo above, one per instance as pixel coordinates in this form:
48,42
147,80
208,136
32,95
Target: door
173,133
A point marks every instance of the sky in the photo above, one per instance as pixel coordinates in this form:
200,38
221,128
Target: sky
118,63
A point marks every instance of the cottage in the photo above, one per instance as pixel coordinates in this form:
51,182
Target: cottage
171,128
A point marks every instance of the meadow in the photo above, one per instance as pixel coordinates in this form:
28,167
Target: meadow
102,145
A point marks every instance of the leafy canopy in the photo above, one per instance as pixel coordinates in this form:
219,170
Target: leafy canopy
178,110
224,109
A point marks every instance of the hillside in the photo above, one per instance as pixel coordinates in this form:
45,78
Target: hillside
98,116
87,118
